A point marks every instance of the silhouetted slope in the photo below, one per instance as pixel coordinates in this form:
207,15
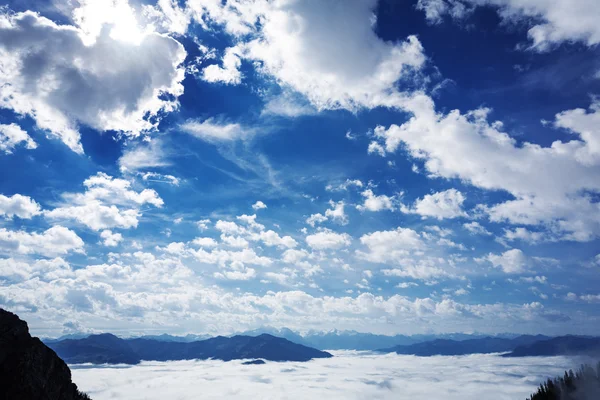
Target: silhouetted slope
472,346
29,370
582,385
563,345
106,348
97,349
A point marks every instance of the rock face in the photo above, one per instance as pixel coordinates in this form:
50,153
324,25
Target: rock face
29,370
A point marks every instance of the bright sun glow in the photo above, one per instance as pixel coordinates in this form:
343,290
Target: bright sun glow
93,15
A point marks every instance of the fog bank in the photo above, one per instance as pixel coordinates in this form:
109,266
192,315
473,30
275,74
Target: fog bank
349,375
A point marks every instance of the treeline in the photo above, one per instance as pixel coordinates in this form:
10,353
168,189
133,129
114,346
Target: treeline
581,385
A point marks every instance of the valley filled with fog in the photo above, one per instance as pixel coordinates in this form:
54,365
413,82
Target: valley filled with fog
348,375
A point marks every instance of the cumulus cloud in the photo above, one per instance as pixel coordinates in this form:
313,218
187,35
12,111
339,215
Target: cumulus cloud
56,240
12,135
58,74
512,261
440,205
106,203
19,206
110,239
475,228
315,219
549,184
393,245
298,44
336,213
375,203
259,205
328,240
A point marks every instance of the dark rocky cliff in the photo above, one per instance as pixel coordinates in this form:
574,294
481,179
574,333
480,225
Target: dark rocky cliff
29,370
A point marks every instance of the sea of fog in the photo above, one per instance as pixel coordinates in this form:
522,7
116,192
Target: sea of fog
349,375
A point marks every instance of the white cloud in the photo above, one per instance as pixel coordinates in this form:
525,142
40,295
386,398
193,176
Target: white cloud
12,135
101,205
142,156
406,285
299,45
552,21
435,9
288,104
394,245
548,183
348,375
512,261
58,74
213,130
336,213
375,203
19,206
259,205
56,240
163,178
229,73
316,219
524,235
376,148
344,186
111,239
475,228
328,240
272,238
440,205
203,224
205,242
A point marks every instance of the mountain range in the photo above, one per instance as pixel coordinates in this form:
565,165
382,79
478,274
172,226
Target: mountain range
521,346
110,349
333,340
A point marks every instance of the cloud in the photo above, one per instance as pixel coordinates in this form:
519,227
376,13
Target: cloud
552,21
348,375
143,156
56,240
475,228
549,184
393,245
110,239
328,240
12,135
229,73
106,203
58,75
259,205
19,206
512,261
375,203
298,44
440,205
344,186
316,219
336,213
213,130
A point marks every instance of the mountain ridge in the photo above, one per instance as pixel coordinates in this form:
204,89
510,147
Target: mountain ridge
110,349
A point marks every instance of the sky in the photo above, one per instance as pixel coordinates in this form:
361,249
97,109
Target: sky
391,166
348,375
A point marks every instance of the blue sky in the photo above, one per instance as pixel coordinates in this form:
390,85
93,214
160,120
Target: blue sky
382,166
